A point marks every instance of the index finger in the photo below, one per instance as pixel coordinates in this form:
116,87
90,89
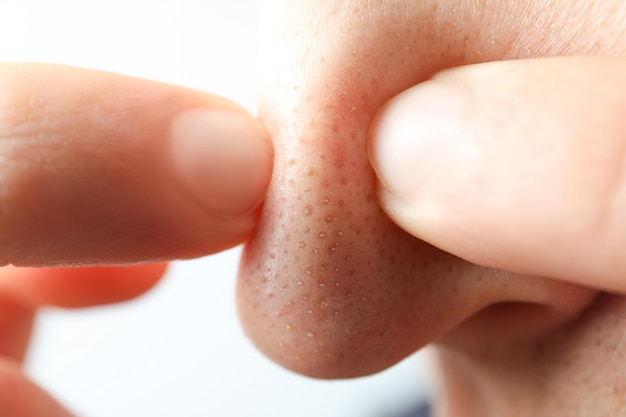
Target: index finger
99,168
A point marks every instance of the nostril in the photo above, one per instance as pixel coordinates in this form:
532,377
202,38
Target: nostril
511,319
505,321
327,273
329,286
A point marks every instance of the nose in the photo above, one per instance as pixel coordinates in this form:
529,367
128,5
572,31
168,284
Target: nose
329,286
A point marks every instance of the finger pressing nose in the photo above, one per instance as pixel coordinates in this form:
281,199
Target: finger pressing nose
101,168
514,165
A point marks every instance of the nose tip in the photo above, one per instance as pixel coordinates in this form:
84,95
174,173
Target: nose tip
329,286
313,281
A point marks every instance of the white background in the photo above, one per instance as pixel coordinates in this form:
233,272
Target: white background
178,351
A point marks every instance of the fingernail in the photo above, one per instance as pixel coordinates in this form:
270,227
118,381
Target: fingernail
412,135
223,158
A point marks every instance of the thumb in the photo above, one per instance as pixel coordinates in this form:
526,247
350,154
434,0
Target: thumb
517,165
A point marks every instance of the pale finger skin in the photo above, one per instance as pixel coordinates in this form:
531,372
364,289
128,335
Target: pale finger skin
101,168
521,168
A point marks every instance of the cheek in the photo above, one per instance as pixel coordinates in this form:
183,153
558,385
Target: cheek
576,370
329,286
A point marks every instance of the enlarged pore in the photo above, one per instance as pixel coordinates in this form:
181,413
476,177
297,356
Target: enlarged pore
329,283
329,287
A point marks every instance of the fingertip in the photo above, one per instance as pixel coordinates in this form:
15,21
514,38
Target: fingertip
411,135
144,171
531,178
412,141
223,157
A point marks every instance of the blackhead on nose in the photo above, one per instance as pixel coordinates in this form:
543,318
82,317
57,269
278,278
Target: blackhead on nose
329,286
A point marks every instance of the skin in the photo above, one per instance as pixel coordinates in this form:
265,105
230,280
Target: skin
102,169
330,287
113,187
24,290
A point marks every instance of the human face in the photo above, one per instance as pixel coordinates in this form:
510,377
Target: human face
331,288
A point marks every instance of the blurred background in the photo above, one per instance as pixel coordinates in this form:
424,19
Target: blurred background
177,351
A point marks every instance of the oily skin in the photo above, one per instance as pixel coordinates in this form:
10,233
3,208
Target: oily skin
330,287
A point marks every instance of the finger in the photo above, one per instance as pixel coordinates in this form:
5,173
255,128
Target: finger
78,287
102,168
23,290
513,165
16,324
19,397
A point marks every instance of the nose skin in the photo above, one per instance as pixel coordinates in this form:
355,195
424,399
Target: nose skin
329,286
